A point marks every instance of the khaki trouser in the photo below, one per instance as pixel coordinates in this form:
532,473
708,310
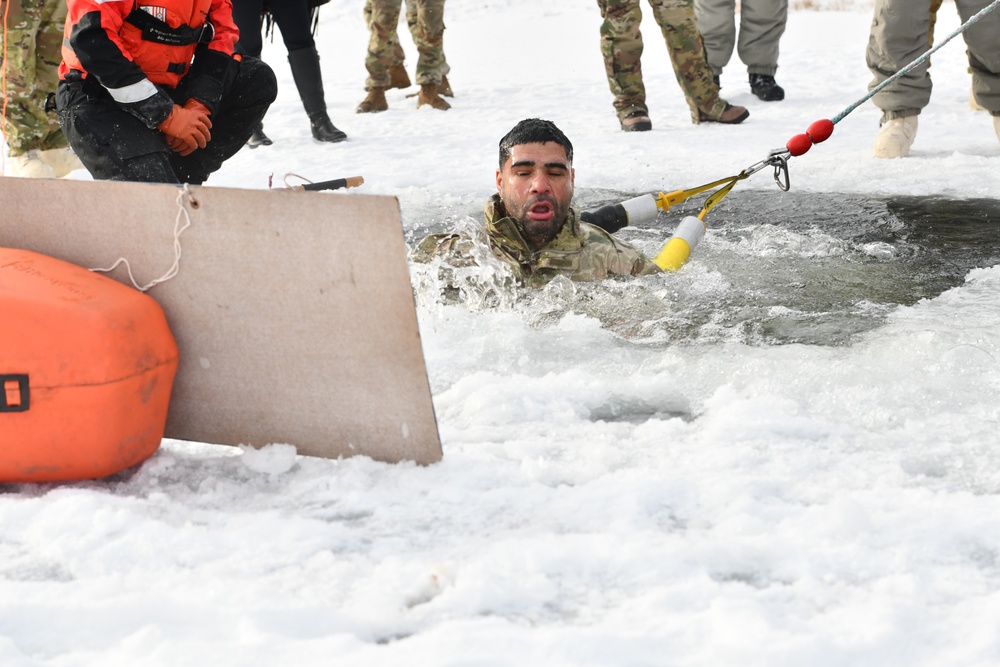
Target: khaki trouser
902,30
762,23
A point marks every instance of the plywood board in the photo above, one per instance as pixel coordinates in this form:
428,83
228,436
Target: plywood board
293,311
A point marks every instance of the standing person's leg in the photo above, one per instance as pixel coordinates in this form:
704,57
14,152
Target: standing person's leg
293,19
431,64
48,54
383,19
762,23
413,23
398,78
687,55
984,56
38,148
249,18
621,46
900,33
248,15
717,25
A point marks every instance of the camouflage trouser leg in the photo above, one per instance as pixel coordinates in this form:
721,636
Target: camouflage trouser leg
429,37
384,50
32,55
687,54
621,46
397,57
411,19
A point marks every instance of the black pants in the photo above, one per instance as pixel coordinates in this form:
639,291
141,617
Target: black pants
115,145
292,16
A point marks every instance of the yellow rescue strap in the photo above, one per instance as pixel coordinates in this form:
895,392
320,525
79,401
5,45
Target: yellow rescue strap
689,233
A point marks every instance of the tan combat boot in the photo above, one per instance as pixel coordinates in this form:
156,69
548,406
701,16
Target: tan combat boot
730,115
398,78
444,88
895,137
374,102
429,95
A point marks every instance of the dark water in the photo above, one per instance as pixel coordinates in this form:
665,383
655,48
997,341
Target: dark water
782,267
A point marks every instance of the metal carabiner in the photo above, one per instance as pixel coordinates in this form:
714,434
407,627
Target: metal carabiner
778,158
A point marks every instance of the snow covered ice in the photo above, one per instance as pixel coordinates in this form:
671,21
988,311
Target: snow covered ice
616,488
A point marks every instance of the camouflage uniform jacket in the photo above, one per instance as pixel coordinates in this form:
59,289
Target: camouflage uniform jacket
580,251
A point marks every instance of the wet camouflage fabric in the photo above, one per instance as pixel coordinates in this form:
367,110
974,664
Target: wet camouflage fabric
580,252
32,54
621,46
425,19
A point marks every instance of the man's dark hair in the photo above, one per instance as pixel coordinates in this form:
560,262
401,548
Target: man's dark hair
534,131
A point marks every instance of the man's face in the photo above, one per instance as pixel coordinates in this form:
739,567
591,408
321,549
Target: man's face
536,188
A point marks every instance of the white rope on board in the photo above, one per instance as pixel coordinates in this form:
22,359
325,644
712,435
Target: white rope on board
179,227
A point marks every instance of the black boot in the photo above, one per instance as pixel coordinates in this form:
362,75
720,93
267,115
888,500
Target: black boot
258,138
766,88
309,80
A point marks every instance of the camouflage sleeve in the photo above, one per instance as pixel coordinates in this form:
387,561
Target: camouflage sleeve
619,257
428,247
452,248
644,266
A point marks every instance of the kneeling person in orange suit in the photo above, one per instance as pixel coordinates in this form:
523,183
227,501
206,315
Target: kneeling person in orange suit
157,96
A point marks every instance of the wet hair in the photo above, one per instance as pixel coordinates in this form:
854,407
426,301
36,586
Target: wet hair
534,131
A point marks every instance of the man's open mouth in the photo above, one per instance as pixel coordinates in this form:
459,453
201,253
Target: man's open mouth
541,210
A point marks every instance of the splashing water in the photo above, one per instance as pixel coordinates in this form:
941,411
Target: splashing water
773,269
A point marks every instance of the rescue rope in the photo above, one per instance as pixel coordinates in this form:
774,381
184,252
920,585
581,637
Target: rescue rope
822,129
689,233
182,214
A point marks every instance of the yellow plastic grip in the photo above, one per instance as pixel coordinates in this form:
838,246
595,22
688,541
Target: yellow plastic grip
673,255
685,239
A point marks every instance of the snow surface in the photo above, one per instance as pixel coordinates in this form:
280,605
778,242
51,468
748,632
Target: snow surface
600,501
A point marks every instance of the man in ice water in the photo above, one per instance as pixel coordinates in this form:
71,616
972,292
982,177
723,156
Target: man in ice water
531,223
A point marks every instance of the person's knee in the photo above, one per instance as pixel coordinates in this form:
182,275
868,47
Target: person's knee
256,83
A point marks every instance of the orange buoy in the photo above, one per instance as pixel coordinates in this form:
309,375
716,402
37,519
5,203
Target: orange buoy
86,369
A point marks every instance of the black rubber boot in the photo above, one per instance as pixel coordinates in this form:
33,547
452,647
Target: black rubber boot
766,88
258,138
309,81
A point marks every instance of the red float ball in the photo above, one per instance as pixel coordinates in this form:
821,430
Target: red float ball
799,144
820,130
